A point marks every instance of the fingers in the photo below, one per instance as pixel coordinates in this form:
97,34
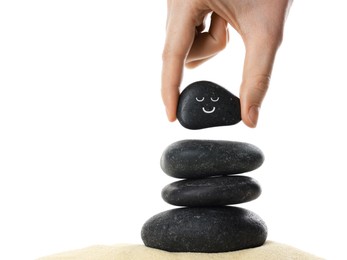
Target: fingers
179,39
187,44
183,46
208,44
258,65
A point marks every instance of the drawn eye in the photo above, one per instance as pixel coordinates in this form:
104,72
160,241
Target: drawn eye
200,100
214,99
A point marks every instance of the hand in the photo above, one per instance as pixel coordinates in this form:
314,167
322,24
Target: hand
260,24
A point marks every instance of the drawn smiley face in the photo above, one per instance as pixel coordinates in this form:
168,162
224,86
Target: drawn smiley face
208,110
205,104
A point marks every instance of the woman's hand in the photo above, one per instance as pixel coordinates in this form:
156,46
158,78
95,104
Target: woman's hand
260,24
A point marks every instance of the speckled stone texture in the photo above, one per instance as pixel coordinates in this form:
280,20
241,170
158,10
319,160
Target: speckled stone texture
216,191
204,158
204,229
205,104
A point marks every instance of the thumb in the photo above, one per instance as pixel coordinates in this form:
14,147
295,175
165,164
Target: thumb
256,79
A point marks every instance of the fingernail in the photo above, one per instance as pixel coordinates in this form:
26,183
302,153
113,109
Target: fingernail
167,112
169,115
253,115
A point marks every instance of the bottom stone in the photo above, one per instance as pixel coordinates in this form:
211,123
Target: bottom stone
204,229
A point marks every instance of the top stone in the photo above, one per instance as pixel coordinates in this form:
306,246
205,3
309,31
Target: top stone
205,104
192,159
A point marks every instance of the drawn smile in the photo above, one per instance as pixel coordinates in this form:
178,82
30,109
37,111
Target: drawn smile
209,111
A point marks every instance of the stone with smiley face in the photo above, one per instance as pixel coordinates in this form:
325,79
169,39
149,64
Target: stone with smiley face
205,104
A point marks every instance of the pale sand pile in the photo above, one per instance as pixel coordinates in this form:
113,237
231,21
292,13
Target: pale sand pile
269,251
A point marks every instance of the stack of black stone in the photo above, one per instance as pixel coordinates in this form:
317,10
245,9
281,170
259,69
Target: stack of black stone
205,221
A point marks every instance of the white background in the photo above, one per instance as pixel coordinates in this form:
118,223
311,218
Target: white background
82,125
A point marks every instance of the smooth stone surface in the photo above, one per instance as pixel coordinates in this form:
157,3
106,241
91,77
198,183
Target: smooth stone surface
216,191
205,158
204,229
269,251
205,104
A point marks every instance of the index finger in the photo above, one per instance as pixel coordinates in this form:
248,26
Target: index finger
179,39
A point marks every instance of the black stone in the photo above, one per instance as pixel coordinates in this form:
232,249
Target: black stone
204,158
215,191
207,229
205,104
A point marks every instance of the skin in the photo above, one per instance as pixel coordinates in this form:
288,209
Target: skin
260,23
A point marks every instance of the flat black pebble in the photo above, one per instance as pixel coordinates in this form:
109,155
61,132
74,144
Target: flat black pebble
205,158
205,104
216,191
207,229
